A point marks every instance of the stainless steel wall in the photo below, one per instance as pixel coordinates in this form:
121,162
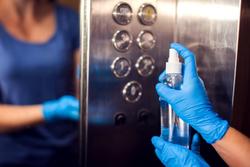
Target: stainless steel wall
210,29
115,132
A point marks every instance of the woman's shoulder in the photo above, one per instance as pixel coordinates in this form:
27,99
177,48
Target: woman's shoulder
68,12
69,23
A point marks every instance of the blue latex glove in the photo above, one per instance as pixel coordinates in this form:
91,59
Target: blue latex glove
65,108
174,155
191,102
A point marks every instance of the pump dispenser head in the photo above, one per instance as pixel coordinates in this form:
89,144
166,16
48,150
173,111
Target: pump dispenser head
173,65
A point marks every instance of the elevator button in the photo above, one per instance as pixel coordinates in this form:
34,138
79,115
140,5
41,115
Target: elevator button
146,40
143,115
122,13
147,14
121,67
132,91
120,119
145,65
122,40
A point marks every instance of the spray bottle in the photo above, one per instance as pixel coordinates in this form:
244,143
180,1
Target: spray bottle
173,128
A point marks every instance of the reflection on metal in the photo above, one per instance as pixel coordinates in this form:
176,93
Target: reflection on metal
122,13
122,40
85,12
210,30
146,40
132,91
105,96
121,67
206,9
145,65
147,14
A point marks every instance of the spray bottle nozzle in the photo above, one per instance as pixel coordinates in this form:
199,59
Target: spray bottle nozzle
173,65
173,56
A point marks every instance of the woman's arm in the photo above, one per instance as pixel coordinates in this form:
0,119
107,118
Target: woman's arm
234,148
16,117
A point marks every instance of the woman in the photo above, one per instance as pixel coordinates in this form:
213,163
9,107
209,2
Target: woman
38,50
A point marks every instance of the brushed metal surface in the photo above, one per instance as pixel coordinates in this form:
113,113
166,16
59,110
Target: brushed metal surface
85,13
210,29
107,143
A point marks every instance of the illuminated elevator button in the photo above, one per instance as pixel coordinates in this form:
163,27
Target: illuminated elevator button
147,14
122,13
145,65
132,91
121,67
146,40
122,40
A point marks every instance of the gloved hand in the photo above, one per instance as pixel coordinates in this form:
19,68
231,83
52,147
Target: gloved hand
65,108
191,102
173,155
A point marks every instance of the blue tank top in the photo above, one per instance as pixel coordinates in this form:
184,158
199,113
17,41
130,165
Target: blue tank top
32,74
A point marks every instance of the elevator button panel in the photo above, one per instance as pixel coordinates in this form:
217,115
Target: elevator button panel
147,14
122,40
146,40
122,13
121,67
145,65
132,91
123,50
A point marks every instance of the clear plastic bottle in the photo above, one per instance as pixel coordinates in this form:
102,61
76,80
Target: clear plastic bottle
173,128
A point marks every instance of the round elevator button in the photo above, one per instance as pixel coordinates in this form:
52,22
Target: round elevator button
132,91
121,67
122,13
145,65
143,115
146,40
147,14
120,119
122,40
